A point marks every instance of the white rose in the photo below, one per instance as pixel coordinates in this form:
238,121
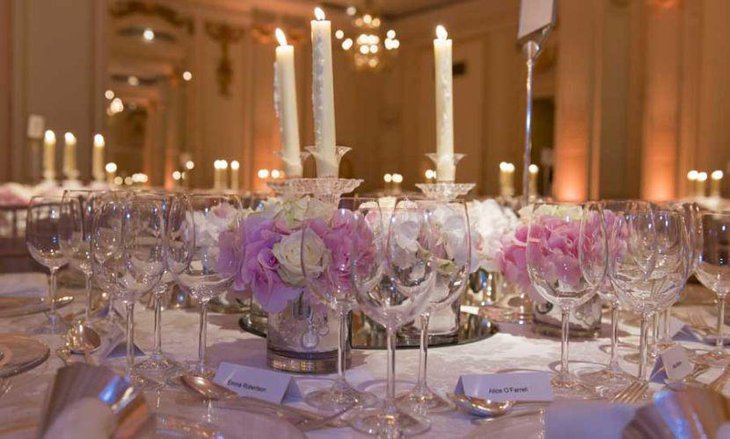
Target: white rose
289,253
489,223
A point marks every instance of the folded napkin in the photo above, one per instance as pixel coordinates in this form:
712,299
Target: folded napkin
29,284
593,419
86,418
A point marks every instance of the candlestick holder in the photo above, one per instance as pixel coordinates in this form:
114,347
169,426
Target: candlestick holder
445,190
293,169
440,162
327,189
328,167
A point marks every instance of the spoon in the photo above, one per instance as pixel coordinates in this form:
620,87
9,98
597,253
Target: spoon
207,388
481,407
81,339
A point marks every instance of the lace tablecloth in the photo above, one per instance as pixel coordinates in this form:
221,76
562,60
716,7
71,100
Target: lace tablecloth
513,347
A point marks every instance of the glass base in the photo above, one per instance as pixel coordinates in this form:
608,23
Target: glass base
423,401
390,423
159,364
204,371
336,399
54,325
567,386
635,357
606,382
713,359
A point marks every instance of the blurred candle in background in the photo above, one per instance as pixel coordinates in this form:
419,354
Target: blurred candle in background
69,156
534,171
701,182
111,173
49,155
234,174
506,179
716,180
97,163
692,183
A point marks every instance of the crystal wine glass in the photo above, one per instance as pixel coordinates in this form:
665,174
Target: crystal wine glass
78,209
449,222
713,272
333,228
648,265
44,233
566,258
612,378
201,229
394,270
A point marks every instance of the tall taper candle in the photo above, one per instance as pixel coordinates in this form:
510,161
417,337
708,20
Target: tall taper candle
234,175
49,155
224,175
716,177
285,102
445,168
69,157
323,97
533,170
701,180
97,169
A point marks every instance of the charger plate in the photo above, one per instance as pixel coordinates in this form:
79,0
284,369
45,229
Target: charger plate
20,353
20,306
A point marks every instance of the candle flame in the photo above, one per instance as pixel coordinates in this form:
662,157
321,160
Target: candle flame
692,175
280,36
441,33
69,137
533,169
49,136
98,140
717,175
702,176
319,13
235,165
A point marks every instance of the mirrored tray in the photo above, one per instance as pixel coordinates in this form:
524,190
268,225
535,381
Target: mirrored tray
365,334
20,306
20,353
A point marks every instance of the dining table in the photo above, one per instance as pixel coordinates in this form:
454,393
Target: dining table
513,347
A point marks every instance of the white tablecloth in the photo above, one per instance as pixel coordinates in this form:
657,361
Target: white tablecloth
512,347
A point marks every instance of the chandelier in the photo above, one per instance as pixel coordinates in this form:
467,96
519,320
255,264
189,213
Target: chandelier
369,49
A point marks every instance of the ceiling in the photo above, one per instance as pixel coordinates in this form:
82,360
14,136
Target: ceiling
395,8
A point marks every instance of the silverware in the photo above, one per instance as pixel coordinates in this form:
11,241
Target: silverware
718,384
82,339
632,393
481,407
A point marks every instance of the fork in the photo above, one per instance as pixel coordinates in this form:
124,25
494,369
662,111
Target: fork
632,393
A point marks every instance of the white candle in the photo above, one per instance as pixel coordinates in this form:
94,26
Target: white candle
217,175
323,97
692,183
445,168
49,155
97,169
224,175
534,170
69,156
716,177
506,179
701,180
111,172
285,102
234,174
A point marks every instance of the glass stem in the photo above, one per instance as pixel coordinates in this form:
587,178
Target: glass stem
423,358
643,346
203,335
655,333
390,407
52,294
130,337
666,318
564,345
157,348
341,349
615,310
87,288
720,341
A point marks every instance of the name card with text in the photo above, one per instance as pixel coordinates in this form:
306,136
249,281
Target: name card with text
256,383
517,386
673,364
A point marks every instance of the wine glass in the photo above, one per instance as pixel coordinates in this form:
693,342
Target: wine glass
201,228
648,265
612,378
449,222
566,258
331,228
78,209
158,362
713,271
44,233
394,271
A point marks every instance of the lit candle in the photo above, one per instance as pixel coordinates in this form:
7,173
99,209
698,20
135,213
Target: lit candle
69,156
285,102
224,175
49,155
534,170
217,175
506,179
445,168
692,183
716,177
397,181
111,173
388,179
97,169
701,180
234,174
323,97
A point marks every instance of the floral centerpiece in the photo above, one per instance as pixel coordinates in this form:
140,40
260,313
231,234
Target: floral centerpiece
489,223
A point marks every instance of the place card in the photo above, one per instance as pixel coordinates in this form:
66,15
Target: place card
534,16
673,365
256,383
513,386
